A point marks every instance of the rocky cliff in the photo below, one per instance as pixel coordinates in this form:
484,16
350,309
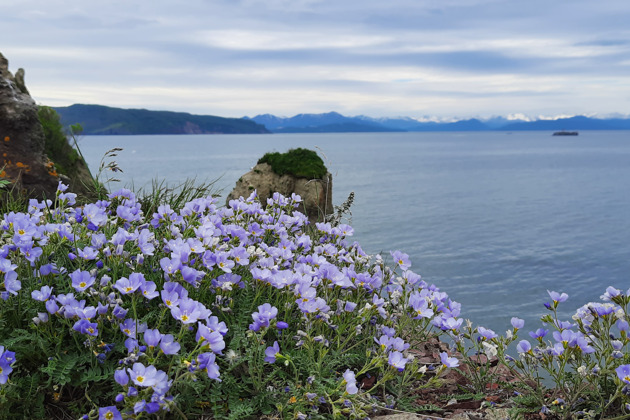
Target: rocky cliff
22,158
33,157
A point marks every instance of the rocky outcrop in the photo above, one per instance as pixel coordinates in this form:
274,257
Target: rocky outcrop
316,193
33,157
22,158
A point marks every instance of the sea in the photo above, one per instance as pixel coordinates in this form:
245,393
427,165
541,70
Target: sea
494,219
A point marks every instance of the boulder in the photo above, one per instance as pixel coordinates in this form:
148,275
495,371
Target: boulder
316,193
22,158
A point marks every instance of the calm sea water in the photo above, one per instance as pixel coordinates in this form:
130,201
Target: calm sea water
494,219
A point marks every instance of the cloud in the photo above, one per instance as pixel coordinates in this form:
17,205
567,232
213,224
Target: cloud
404,57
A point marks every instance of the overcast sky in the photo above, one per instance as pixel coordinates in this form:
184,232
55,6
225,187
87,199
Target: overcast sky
445,58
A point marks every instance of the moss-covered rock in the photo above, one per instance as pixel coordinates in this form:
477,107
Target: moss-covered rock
299,171
302,163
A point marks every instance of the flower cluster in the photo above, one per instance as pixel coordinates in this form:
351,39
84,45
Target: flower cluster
161,297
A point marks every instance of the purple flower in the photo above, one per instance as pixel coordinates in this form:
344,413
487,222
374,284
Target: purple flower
81,280
43,294
170,265
152,337
168,345
396,360
401,259
207,361
517,323
272,352
486,333
148,290
51,306
351,382
143,376
95,215
11,283
223,262
539,334
109,413
129,285
128,327
449,362
5,371
523,346
188,311
214,339
86,327
121,377
451,324
557,297
623,373
87,253
265,314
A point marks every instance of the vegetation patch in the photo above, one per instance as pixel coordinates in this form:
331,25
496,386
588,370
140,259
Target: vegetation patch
300,162
168,306
56,147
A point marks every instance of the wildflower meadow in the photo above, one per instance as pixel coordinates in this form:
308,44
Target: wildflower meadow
248,310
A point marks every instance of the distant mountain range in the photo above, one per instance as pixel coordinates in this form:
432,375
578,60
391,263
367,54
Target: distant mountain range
335,122
98,119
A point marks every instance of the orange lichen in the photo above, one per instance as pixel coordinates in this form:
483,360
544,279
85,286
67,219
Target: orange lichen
6,138
3,174
21,165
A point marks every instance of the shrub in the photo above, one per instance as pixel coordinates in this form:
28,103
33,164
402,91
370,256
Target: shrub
300,162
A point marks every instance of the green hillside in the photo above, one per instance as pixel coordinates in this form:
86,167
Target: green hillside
98,119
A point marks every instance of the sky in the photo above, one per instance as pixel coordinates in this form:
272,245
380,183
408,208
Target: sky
417,58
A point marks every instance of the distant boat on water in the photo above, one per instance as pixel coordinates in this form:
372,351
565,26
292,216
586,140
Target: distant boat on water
565,133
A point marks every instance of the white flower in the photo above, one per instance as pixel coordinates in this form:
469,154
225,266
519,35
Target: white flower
582,371
489,349
231,356
423,369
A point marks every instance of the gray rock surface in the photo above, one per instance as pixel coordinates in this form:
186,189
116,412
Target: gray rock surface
22,138
316,193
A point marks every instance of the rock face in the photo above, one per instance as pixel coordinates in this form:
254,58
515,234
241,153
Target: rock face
22,158
316,193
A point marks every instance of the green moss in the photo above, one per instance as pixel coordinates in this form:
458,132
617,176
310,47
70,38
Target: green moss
300,162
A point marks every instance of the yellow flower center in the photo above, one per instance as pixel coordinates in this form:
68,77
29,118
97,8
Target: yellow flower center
128,289
82,284
168,303
21,232
184,317
109,415
140,379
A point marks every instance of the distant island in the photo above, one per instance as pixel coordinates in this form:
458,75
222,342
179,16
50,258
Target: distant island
99,120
